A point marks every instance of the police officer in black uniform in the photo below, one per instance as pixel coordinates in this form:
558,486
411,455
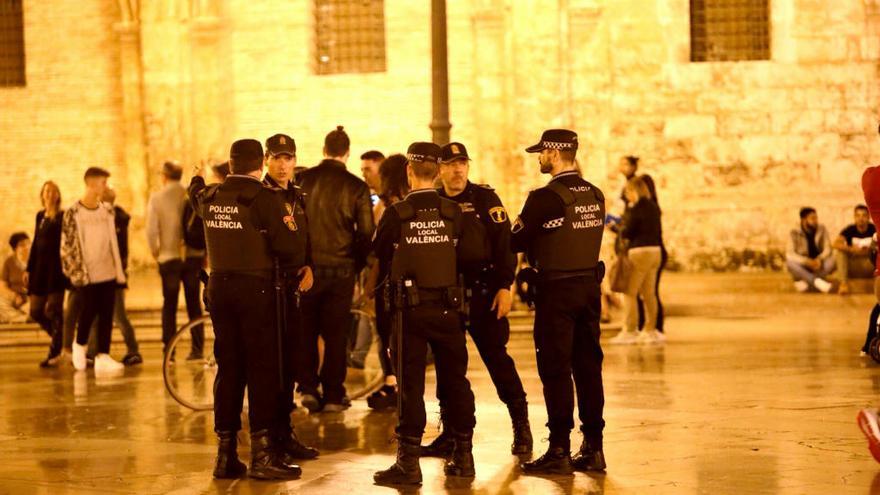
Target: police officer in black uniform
246,226
419,235
488,274
280,161
560,230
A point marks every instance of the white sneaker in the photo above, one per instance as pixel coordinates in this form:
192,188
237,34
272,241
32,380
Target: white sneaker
79,357
801,286
823,285
625,338
648,337
661,337
103,362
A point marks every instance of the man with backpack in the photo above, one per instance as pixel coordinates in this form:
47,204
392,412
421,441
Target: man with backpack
180,255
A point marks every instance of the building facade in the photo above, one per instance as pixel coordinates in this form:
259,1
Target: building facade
742,110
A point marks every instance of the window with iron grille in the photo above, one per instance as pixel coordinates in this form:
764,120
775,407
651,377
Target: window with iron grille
349,36
730,30
11,43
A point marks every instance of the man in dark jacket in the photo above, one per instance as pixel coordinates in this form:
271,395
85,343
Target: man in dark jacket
341,227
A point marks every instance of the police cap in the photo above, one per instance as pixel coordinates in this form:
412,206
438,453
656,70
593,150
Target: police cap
246,150
423,152
452,152
556,139
281,144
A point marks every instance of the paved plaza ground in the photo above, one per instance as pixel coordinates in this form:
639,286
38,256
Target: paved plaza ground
755,392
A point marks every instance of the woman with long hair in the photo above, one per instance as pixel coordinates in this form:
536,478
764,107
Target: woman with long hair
393,188
642,239
45,280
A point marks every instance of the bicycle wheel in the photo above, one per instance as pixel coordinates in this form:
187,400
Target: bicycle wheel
191,383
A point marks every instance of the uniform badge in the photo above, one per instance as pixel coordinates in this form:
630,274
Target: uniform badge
455,149
498,214
517,225
288,219
281,140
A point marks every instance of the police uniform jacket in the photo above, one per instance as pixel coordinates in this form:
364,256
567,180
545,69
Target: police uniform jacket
486,244
246,226
295,204
558,236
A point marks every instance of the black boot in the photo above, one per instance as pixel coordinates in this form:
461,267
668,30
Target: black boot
406,471
590,456
522,431
227,465
462,461
290,448
441,446
557,460
266,464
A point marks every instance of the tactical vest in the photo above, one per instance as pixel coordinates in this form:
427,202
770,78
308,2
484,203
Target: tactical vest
575,244
426,250
475,250
235,241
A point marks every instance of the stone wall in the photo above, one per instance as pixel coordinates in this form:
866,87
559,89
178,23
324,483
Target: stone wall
735,148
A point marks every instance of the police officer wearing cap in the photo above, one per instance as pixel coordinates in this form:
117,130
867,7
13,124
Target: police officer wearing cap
488,275
246,227
418,238
560,230
280,161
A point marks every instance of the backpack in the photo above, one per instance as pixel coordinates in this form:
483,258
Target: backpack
193,228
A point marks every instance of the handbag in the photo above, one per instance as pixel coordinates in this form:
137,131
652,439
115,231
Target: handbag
620,273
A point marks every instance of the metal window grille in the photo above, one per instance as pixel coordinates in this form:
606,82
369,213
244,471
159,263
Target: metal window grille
730,30
349,36
11,43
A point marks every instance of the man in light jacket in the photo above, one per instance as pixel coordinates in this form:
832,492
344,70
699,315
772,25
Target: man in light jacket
809,257
90,259
177,263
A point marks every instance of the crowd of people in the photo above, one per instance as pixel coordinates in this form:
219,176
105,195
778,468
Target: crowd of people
82,251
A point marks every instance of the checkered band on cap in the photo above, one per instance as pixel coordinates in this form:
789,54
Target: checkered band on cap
415,157
550,145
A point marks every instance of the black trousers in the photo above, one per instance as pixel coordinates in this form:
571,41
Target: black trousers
326,312
291,342
434,324
491,336
872,327
48,311
97,302
567,315
175,272
246,349
383,328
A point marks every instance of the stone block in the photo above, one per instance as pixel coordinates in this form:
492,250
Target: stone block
685,126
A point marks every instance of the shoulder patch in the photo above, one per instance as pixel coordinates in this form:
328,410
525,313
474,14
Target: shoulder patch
498,214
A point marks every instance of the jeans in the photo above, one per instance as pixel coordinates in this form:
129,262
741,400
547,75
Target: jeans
97,304
800,272
120,318
854,266
175,272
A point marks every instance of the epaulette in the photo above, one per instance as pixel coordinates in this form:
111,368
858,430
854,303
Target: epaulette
449,209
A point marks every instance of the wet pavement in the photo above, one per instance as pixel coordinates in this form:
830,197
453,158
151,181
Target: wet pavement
756,392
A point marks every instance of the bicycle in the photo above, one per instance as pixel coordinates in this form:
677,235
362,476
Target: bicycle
191,383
